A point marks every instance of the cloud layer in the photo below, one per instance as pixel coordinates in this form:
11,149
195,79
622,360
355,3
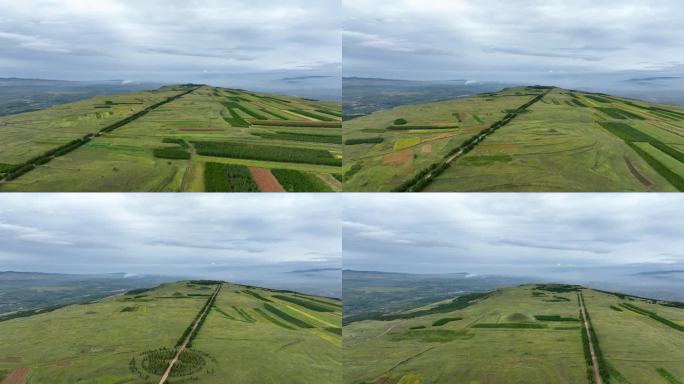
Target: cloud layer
169,40
513,41
230,236
538,235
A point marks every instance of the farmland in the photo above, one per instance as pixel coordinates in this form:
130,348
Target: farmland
233,334
519,139
521,334
162,140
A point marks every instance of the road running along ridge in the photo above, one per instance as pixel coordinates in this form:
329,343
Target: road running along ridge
594,360
180,350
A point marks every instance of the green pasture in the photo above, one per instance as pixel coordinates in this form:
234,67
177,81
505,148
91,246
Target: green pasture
561,144
113,340
141,155
516,335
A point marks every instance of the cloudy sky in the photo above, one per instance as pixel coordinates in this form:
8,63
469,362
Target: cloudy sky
216,41
571,237
527,41
236,237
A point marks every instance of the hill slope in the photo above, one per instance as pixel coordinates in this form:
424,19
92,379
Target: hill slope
524,334
249,335
519,139
177,138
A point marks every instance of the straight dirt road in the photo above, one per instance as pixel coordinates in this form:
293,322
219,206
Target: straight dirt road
180,350
594,360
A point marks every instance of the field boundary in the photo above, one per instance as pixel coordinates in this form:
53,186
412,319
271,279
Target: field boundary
190,335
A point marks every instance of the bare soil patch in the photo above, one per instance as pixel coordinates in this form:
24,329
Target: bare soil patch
265,180
398,158
16,376
426,148
442,123
462,116
635,172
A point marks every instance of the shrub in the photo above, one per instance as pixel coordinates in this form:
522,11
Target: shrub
171,153
312,115
307,137
306,304
400,121
220,177
287,317
445,320
554,318
265,152
368,140
297,181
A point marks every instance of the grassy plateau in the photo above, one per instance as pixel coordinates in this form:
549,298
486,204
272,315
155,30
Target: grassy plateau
524,334
163,140
519,139
242,334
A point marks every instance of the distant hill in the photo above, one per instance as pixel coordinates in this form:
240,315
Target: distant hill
24,95
527,334
519,139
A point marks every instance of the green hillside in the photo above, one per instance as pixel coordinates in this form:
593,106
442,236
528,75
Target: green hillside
525,334
178,138
519,139
249,334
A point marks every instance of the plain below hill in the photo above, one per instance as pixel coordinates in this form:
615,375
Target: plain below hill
533,138
219,332
527,334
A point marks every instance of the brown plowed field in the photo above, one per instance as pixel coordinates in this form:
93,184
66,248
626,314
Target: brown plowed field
399,158
16,376
265,180
426,148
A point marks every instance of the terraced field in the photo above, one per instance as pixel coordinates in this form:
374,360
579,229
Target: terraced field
563,141
164,140
248,334
524,334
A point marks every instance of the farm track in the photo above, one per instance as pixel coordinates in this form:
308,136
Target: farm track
33,163
642,179
182,347
438,167
594,360
16,376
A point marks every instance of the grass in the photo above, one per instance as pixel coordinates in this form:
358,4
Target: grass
287,317
318,307
297,181
554,318
431,335
406,143
510,325
667,375
80,148
632,347
549,148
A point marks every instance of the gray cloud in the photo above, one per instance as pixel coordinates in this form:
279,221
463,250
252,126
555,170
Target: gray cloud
170,41
546,235
523,41
169,234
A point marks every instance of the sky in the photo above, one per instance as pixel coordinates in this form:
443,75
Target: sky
262,43
556,42
270,239
563,237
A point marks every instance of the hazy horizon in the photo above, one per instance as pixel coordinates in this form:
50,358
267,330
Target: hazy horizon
291,47
243,238
617,241
630,49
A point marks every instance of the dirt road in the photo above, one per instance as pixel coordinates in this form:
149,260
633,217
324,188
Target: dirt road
594,360
180,350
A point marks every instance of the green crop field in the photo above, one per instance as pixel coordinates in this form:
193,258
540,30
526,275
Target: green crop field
563,141
130,338
521,334
161,141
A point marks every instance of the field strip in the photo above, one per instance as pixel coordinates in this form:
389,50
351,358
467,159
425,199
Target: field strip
594,360
410,358
16,376
426,176
64,149
312,316
180,350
